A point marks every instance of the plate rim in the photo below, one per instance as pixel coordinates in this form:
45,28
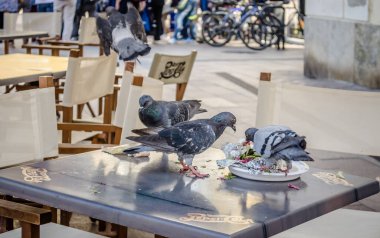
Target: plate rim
273,176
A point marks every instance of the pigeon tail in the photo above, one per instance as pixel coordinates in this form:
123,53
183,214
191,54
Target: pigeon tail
138,149
294,153
290,141
155,141
147,131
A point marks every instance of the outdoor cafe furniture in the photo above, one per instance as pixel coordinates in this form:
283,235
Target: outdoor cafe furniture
337,120
150,194
7,36
25,68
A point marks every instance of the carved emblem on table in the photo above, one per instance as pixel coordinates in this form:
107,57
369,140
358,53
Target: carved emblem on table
201,217
173,69
35,175
333,179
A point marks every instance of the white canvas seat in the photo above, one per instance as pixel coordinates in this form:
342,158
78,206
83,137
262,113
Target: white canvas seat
50,22
87,31
88,79
126,114
28,126
173,69
29,133
334,120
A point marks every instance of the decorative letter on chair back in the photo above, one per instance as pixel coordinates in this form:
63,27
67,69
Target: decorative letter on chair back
50,22
88,79
173,69
28,126
331,119
87,31
132,88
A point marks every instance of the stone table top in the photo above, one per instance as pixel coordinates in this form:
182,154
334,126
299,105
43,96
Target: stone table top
151,195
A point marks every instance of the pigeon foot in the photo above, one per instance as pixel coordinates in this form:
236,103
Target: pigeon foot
195,172
185,167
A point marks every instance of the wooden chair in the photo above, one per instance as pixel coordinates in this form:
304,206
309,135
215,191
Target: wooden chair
334,120
87,79
173,69
88,36
132,88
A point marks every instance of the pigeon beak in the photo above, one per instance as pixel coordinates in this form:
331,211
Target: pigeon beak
233,128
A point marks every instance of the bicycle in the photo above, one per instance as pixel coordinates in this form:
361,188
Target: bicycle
245,22
281,27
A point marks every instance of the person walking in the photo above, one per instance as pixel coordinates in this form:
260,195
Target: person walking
157,6
83,6
67,8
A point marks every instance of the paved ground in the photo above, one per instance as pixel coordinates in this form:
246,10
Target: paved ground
226,79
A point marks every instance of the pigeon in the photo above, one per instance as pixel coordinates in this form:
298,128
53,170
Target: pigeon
277,142
124,33
165,114
186,139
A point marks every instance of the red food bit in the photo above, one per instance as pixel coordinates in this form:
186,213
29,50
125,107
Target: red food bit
293,186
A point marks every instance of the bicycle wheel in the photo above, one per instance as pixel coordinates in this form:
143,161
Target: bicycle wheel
249,31
216,29
264,32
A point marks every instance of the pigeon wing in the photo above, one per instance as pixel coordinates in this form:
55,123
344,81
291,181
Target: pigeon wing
191,137
134,21
147,131
194,107
155,141
177,112
104,30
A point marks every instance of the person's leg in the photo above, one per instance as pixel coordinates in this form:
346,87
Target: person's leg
68,19
157,23
1,20
180,21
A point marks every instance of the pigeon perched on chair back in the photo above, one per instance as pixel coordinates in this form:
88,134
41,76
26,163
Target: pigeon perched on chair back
186,139
154,113
124,33
278,142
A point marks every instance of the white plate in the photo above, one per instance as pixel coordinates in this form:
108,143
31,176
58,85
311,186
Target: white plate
298,168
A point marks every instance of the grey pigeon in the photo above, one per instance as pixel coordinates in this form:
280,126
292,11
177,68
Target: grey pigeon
167,113
186,139
278,142
124,33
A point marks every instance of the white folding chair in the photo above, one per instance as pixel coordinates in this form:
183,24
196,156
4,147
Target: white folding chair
50,22
334,120
173,69
132,88
28,126
88,79
29,133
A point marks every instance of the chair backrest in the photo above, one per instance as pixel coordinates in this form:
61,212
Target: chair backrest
89,78
28,126
331,119
173,69
132,88
87,31
50,22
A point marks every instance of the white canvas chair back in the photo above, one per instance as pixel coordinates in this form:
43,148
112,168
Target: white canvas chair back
331,119
28,126
171,69
50,22
89,78
87,31
126,114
